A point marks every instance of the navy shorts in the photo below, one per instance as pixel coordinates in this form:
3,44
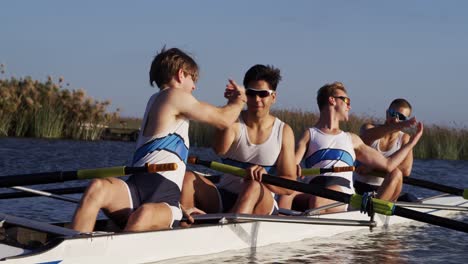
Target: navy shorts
361,187
153,188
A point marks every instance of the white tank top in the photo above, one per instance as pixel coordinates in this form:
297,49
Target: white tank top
377,181
169,146
243,153
326,151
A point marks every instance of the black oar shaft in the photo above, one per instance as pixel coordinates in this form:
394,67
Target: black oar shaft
433,186
337,196
61,176
37,178
306,188
345,198
431,219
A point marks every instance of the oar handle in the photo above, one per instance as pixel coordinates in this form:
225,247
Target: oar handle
317,171
153,168
61,176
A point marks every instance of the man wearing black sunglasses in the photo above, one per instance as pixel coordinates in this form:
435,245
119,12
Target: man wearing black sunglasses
325,145
258,142
387,138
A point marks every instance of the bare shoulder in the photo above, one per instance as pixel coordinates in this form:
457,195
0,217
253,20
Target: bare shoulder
357,141
287,130
406,138
365,127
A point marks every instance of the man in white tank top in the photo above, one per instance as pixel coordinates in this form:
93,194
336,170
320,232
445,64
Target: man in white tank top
326,145
258,142
387,138
151,201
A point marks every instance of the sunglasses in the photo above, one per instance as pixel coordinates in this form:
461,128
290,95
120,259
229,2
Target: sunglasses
395,114
345,99
257,92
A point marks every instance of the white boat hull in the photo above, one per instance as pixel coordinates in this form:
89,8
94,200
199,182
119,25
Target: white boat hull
154,246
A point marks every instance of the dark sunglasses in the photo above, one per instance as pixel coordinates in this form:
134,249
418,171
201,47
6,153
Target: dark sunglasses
257,92
345,99
395,114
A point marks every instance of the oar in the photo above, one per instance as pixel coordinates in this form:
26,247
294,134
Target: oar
355,200
47,194
56,191
427,184
61,176
317,171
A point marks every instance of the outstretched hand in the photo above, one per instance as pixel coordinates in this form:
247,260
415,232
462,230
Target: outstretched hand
234,92
409,123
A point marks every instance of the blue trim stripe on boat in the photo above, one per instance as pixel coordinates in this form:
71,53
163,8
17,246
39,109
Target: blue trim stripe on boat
51,262
329,154
172,143
245,165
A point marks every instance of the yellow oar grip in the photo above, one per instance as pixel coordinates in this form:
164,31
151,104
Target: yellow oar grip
228,169
310,171
101,173
465,194
153,168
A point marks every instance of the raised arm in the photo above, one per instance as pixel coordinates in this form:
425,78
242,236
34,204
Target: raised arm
374,159
219,117
407,164
369,132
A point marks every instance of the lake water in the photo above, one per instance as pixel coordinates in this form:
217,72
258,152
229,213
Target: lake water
409,243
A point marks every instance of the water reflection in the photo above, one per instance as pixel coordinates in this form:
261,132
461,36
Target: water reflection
409,243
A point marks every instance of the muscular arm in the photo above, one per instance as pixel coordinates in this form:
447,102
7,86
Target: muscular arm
374,159
219,117
301,146
369,133
407,164
285,165
224,138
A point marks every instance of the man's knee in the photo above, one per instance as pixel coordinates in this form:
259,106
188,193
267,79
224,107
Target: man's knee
96,191
189,177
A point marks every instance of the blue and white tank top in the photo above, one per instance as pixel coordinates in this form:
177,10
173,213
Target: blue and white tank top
244,154
377,181
326,151
169,146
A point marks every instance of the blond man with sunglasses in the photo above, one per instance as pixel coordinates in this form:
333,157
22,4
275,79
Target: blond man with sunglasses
387,138
259,142
325,145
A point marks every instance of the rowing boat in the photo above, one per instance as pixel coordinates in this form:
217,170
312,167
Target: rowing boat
28,241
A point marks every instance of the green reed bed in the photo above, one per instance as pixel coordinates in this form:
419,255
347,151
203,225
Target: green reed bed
436,143
30,108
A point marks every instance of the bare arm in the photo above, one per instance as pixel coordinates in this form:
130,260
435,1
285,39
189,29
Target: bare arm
224,138
369,133
220,117
301,146
375,159
285,165
407,164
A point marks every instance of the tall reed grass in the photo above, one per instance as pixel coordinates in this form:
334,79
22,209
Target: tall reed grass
30,108
437,142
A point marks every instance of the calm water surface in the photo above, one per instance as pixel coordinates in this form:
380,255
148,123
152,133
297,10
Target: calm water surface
409,243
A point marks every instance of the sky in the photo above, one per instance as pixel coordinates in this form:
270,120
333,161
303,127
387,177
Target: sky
380,50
